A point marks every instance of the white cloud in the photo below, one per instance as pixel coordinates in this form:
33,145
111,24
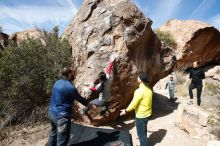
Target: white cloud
166,9
141,6
26,16
66,3
36,14
215,20
11,28
204,6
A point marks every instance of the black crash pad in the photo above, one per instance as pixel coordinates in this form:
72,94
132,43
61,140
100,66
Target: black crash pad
89,136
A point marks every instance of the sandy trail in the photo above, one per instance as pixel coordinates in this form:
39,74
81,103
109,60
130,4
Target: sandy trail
161,128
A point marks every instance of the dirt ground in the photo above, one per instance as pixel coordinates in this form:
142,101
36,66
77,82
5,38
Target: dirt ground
161,128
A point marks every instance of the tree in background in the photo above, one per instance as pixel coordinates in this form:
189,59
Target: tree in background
166,38
27,73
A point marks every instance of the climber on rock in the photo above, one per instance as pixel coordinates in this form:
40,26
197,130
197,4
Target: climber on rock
102,87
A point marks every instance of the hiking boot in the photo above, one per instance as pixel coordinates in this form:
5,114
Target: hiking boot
172,100
102,113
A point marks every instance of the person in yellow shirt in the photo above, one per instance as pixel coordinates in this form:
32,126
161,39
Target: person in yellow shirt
142,104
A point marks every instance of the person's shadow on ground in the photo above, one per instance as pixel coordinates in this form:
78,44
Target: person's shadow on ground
162,106
101,139
156,137
120,124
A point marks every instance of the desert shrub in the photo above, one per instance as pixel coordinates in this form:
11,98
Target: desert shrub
166,37
214,89
27,73
180,77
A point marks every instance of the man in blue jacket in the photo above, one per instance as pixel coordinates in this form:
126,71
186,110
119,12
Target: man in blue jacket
63,95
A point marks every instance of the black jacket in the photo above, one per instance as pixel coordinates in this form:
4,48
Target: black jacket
197,75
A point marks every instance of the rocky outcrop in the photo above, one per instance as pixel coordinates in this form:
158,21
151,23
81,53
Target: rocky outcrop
213,72
31,33
195,41
3,40
197,122
104,27
213,143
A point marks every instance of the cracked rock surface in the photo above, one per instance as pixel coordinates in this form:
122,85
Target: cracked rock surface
103,27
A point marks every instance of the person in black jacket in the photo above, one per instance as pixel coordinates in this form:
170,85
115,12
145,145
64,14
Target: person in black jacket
196,74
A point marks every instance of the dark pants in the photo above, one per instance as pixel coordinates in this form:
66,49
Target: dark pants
171,93
141,126
199,92
99,103
60,131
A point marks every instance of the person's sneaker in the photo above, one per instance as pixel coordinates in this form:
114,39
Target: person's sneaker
102,113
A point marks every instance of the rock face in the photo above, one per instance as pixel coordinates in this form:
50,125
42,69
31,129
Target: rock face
104,27
213,72
195,41
3,40
213,143
196,121
32,33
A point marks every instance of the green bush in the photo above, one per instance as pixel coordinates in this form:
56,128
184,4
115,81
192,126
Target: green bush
27,73
214,89
166,37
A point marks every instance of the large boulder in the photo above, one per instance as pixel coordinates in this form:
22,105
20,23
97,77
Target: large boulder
213,143
213,72
198,122
3,40
195,41
30,33
105,27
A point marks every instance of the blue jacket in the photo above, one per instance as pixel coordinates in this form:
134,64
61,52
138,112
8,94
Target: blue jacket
63,95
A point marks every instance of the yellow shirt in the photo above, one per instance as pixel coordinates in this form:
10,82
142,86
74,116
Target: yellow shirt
142,102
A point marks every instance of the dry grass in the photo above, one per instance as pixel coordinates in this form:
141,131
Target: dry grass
182,91
17,118
181,88
181,77
24,134
213,89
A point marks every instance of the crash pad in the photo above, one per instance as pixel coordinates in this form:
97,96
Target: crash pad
91,136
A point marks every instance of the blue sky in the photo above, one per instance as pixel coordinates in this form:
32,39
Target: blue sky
18,15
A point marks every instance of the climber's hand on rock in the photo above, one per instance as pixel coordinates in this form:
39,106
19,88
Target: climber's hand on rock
91,86
113,57
123,112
